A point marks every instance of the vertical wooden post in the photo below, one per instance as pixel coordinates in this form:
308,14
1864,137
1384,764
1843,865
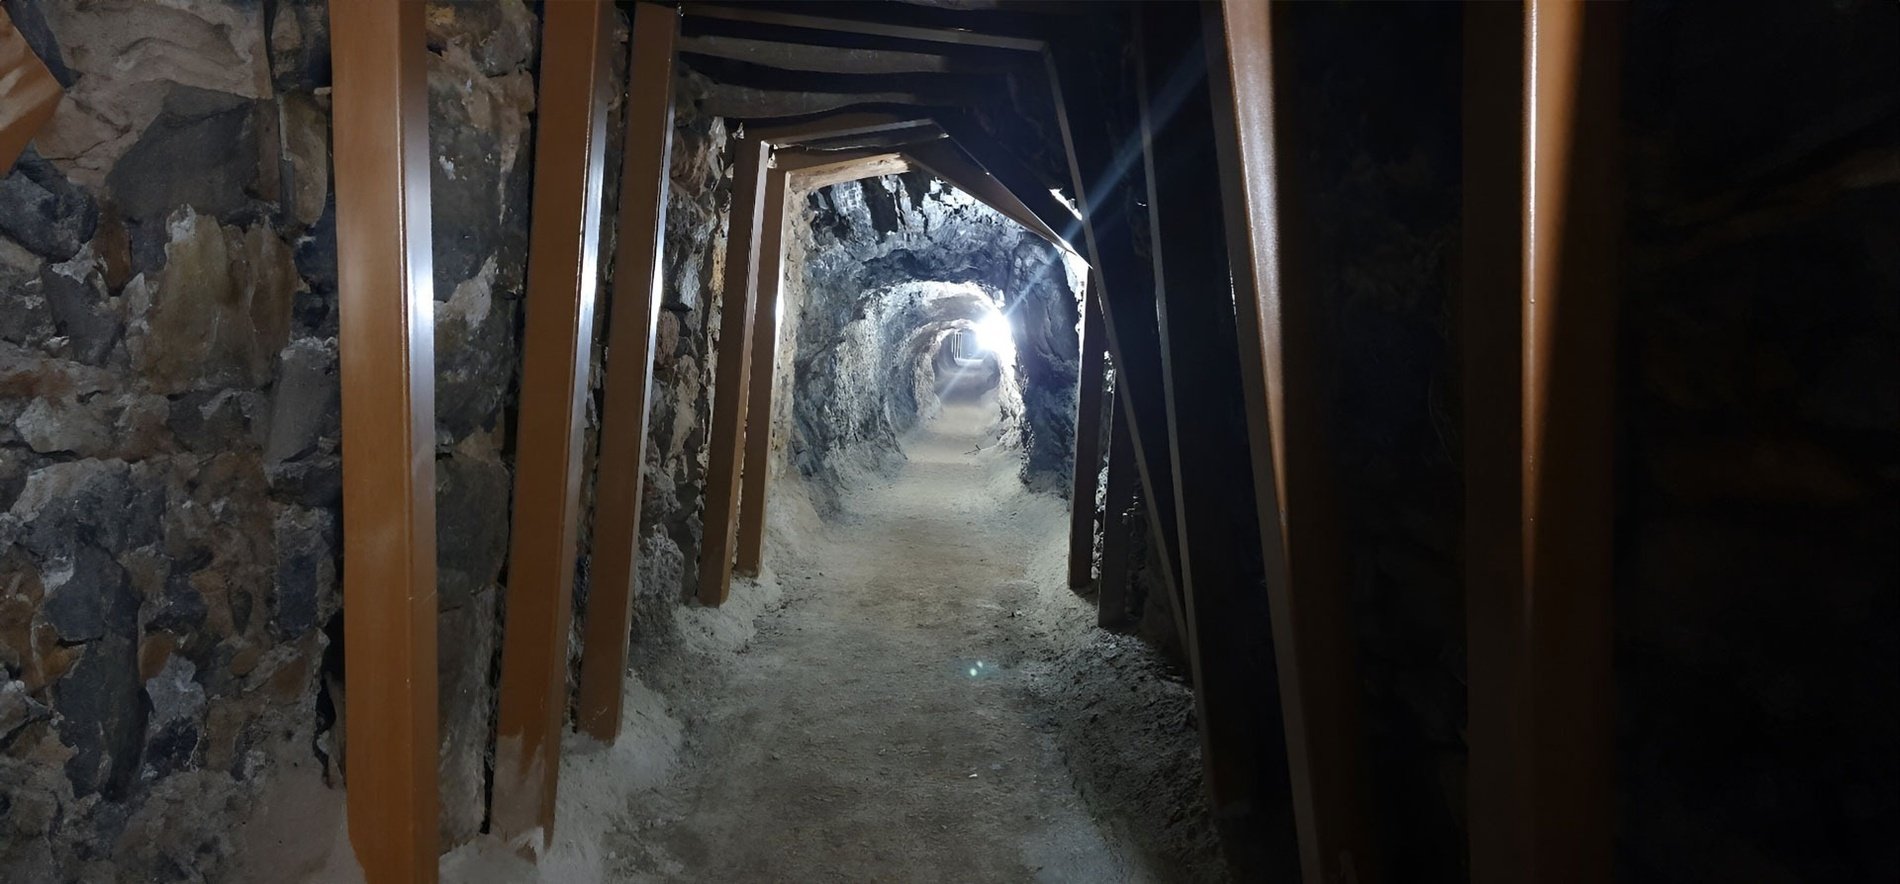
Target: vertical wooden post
1283,367
1215,510
639,287
1111,595
1103,172
386,345
563,268
733,372
1089,386
765,332
1542,208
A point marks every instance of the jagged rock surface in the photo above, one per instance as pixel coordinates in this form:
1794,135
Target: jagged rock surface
886,268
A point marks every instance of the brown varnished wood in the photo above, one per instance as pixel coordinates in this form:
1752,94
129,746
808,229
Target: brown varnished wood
1542,210
633,325
765,332
1272,255
732,375
1090,386
386,346
563,268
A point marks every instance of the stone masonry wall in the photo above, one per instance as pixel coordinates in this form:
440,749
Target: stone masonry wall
169,471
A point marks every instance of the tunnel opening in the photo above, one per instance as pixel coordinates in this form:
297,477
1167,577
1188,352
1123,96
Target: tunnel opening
903,293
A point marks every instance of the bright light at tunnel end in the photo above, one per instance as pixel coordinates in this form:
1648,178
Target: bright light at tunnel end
994,334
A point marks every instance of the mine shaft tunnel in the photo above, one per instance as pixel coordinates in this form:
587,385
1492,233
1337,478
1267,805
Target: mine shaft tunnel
989,440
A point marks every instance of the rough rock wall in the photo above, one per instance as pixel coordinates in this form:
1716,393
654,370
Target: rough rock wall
169,472
481,101
1760,483
869,269
168,469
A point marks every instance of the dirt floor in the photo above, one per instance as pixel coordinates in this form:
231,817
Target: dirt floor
910,693
890,720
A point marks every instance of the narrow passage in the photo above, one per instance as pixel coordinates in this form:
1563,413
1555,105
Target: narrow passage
878,728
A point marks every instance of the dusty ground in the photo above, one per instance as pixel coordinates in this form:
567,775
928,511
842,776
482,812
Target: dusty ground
879,727
909,694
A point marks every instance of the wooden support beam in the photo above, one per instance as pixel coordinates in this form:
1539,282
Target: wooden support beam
639,288
888,141
1025,184
1215,513
1104,161
943,159
765,331
833,59
1124,477
771,102
733,373
1541,216
1090,385
386,348
808,182
765,14
1283,364
825,162
563,267
28,93
836,125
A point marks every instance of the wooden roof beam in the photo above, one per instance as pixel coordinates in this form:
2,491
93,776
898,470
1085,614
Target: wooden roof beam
766,15
813,58
943,159
837,125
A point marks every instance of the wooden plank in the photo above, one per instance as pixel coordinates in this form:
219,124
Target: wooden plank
733,373
1102,170
1542,204
772,101
639,288
1090,387
765,14
28,93
1215,512
837,124
1025,185
812,180
897,140
386,349
563,262
765,332
822,162
1112,610
834,59
1283,366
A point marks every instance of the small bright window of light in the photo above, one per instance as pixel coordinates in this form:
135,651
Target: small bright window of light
995,335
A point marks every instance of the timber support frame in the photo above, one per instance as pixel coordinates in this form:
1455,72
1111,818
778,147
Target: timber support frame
386,342
563,270
1539,289
639,289
1284,364
733,377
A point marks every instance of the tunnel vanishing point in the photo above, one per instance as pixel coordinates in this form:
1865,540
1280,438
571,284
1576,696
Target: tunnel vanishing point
949,440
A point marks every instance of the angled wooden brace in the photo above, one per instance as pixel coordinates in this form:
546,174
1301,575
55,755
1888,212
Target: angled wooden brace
639,288
563,268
